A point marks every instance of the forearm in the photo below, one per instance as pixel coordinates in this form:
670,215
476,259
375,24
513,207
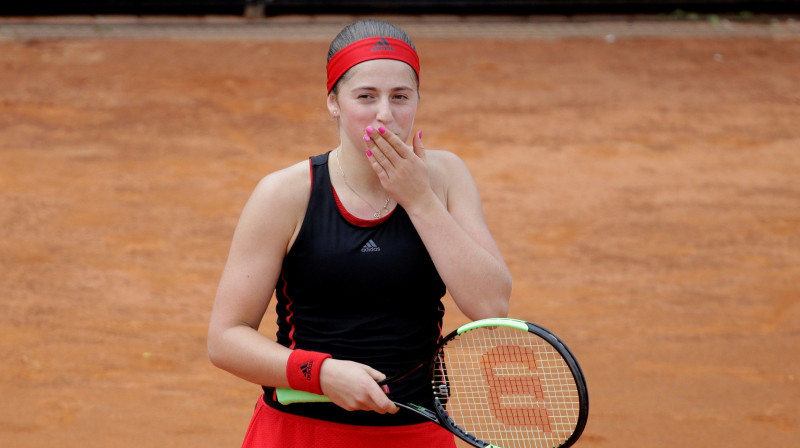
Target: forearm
476,276
244,352
248,354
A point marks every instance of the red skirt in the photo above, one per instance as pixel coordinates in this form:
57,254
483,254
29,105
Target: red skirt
271,428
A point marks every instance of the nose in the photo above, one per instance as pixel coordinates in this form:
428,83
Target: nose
384,112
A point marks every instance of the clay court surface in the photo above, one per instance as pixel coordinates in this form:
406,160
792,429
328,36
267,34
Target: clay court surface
645,192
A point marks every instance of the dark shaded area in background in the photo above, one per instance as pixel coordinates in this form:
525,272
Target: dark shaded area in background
506,7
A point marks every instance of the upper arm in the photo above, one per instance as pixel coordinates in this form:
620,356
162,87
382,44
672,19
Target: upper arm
452,178
267,225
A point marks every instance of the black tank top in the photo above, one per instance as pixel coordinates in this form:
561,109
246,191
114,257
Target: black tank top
361,290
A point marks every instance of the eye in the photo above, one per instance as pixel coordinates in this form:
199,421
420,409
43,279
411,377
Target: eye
402,95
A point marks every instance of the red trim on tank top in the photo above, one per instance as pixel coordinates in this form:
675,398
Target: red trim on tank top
289,302
355,220
290,314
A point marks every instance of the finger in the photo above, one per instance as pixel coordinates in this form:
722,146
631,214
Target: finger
396,142
389,143
376,375
419,150
375,154
382,402
382,149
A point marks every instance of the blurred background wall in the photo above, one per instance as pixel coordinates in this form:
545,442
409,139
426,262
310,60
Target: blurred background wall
279,7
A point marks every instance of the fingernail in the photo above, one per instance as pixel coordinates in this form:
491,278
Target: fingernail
369,153
370,130
366,138
420,135
382,130
385,388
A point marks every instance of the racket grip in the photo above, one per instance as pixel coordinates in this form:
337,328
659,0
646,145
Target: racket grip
286,395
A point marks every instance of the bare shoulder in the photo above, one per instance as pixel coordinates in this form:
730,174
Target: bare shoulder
287,185
446,169
279,201
438,158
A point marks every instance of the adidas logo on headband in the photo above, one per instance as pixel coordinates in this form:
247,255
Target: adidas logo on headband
368,49
382,45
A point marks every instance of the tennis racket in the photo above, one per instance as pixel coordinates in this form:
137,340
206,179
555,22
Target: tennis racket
499,383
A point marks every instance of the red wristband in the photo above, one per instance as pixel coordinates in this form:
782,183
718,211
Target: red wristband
303,369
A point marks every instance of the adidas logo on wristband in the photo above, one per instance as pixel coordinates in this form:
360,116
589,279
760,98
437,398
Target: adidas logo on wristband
306,369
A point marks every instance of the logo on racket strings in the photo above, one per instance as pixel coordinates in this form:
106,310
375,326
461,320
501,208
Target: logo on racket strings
509,372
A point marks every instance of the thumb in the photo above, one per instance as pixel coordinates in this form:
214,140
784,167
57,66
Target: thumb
419,150
378,377
375,374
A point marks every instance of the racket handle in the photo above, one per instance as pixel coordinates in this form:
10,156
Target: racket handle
286,395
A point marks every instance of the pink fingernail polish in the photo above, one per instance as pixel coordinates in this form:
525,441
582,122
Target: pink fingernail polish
369,153
420,135
366,138
370,130
382,130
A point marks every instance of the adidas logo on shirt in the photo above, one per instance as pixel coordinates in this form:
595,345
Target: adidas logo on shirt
370,247
382,45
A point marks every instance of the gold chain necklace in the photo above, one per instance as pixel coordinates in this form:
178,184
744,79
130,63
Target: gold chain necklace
377,213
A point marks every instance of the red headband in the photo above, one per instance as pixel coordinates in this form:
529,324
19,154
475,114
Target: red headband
367,50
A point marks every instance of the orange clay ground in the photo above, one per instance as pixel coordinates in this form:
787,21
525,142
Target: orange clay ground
645,194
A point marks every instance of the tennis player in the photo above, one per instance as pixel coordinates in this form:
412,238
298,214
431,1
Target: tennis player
359,245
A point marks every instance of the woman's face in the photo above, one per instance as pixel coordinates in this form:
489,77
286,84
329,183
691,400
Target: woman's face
381,92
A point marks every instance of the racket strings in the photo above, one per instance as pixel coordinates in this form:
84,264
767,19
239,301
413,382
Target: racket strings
508,387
